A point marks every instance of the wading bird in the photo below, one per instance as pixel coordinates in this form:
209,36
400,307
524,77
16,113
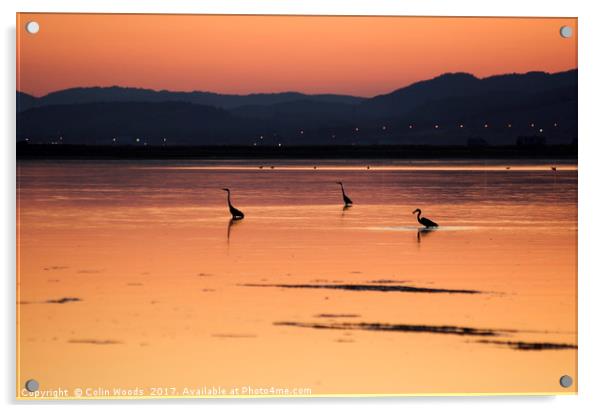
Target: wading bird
348,202
236,213
424,221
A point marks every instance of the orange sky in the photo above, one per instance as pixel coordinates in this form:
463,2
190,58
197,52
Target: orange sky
362,56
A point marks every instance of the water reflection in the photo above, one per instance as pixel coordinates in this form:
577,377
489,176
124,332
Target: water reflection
231,223
127,245
344,209
423,232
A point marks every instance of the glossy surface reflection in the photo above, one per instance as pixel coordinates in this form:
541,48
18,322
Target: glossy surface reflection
132,274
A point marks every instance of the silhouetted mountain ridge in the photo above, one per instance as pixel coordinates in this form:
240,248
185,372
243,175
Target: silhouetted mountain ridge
129,94
450,85
496,109
99,123
25,101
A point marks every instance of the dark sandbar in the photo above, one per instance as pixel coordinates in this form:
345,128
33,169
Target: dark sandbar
369,287
404,328
92,341
530,346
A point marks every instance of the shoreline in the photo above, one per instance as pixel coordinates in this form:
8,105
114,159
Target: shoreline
65,151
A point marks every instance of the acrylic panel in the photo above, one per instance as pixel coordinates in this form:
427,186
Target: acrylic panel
295,206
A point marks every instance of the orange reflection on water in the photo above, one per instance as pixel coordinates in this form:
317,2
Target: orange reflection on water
301,293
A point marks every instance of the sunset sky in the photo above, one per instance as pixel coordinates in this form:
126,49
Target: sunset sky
362,56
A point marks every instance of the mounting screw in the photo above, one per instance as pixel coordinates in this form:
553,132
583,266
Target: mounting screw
566,31
566,381
32,27
32,385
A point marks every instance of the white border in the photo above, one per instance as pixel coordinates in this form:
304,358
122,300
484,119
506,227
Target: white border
590,271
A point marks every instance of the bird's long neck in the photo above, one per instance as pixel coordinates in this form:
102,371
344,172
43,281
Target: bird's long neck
342,189
418,216
229,203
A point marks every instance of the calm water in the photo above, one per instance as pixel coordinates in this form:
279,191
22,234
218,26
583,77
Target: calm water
163,290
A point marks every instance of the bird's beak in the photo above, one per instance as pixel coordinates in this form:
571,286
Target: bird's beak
224,189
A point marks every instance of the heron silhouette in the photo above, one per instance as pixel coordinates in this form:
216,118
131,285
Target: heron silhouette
424,221
348,202
236,213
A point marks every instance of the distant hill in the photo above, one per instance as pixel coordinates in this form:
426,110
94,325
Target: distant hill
300,115
99,123
128,94
450,109
463,85
25,101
